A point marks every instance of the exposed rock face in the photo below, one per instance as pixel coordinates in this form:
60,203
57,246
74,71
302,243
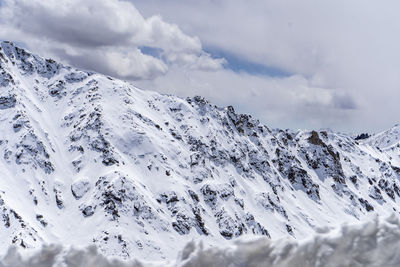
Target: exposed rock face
95,160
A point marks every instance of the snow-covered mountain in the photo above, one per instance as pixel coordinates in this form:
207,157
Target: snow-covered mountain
88,159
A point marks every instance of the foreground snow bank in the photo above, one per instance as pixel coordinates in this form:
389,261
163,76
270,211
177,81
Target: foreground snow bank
374,243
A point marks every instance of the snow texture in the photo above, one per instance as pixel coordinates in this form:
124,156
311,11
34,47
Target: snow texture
88,159
374,243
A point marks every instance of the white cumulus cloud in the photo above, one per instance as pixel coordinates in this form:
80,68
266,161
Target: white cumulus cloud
103,35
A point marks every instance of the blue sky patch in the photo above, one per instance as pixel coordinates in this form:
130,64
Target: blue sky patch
151,51
239,64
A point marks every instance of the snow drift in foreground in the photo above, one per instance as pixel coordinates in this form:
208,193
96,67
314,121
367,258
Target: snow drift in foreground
374,243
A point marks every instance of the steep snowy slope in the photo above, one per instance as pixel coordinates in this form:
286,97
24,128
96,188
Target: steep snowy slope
386,139
87,159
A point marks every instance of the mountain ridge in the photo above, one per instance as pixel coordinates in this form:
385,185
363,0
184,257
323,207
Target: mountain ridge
91,159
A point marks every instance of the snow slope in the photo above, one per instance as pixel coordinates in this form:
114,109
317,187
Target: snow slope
87,159
387,139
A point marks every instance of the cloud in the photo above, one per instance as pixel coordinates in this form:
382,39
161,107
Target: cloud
276,101
103,35
350,47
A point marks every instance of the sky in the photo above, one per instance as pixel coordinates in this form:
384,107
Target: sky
307,64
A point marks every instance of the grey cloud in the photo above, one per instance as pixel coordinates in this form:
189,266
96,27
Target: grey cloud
334,44
277,102
343,101
82,24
